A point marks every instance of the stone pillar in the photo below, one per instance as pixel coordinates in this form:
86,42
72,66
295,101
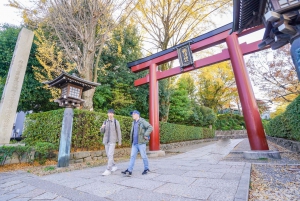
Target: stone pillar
13,85
65,139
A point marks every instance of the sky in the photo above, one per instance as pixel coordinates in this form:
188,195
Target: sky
8,14
13,16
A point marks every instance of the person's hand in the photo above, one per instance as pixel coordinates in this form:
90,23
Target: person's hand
146,138
119,144
103,126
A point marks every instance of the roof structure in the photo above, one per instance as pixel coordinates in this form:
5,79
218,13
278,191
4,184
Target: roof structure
280,19
64,77
248,14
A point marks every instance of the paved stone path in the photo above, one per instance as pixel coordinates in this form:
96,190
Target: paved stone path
198,174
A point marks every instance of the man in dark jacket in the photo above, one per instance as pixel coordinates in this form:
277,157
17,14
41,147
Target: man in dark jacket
139,136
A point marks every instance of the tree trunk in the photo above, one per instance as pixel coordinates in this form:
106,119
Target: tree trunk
87,74
87,96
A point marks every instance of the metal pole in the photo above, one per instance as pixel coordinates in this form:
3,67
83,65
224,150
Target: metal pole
251,114
154,108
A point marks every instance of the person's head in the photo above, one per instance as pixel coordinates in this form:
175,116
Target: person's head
135,114
110,113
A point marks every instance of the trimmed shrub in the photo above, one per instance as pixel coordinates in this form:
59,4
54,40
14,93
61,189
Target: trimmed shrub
44,151
46,127
230,122
176,133
6,153
287,124
208,133
292,113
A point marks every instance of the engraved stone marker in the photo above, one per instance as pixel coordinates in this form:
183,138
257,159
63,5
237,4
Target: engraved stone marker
65,139
13,85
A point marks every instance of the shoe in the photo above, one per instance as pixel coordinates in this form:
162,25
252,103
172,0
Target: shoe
114,168
106,173
145,172
125,172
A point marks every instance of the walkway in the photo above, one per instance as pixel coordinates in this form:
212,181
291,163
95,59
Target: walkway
198,174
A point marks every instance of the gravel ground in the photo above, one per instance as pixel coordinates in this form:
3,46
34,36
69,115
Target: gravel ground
273,182
271,179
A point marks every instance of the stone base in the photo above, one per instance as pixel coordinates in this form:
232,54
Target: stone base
152,154
261,154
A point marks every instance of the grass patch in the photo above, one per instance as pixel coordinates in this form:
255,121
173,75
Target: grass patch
49,168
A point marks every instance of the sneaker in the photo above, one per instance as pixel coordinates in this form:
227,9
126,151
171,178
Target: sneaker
125,172
114,168
106,173
145,172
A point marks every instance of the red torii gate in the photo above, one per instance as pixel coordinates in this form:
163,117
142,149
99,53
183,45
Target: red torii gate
234,52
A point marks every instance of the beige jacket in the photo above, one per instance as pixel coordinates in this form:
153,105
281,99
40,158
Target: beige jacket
114,135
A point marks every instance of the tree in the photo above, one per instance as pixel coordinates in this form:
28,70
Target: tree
180,104
279,110
82,28
275,74
216,86
262,105
168,23
189,83
184,108
52,59
33,95
116,89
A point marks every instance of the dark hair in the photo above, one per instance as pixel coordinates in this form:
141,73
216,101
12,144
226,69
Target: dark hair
111,111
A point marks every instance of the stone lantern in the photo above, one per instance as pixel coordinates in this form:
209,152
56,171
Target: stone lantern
71,91
281,19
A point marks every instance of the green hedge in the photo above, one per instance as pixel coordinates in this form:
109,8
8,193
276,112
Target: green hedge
46,127
176,133
230,122
287,124
43,151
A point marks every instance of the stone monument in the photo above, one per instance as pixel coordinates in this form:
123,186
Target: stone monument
14,81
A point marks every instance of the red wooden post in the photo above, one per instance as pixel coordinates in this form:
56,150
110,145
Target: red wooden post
251,114
154,108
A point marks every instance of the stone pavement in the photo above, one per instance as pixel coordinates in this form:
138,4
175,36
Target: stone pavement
199,174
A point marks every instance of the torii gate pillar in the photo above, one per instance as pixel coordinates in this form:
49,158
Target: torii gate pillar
154,108
252,118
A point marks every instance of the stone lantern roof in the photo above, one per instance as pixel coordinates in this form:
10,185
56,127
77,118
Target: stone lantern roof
71,89
64,78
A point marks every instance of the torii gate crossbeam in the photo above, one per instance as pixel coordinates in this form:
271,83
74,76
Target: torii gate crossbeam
234,52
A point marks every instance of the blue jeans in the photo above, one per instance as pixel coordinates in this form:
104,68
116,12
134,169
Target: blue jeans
134,151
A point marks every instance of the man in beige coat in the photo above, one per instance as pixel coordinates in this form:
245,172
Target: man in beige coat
112,135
